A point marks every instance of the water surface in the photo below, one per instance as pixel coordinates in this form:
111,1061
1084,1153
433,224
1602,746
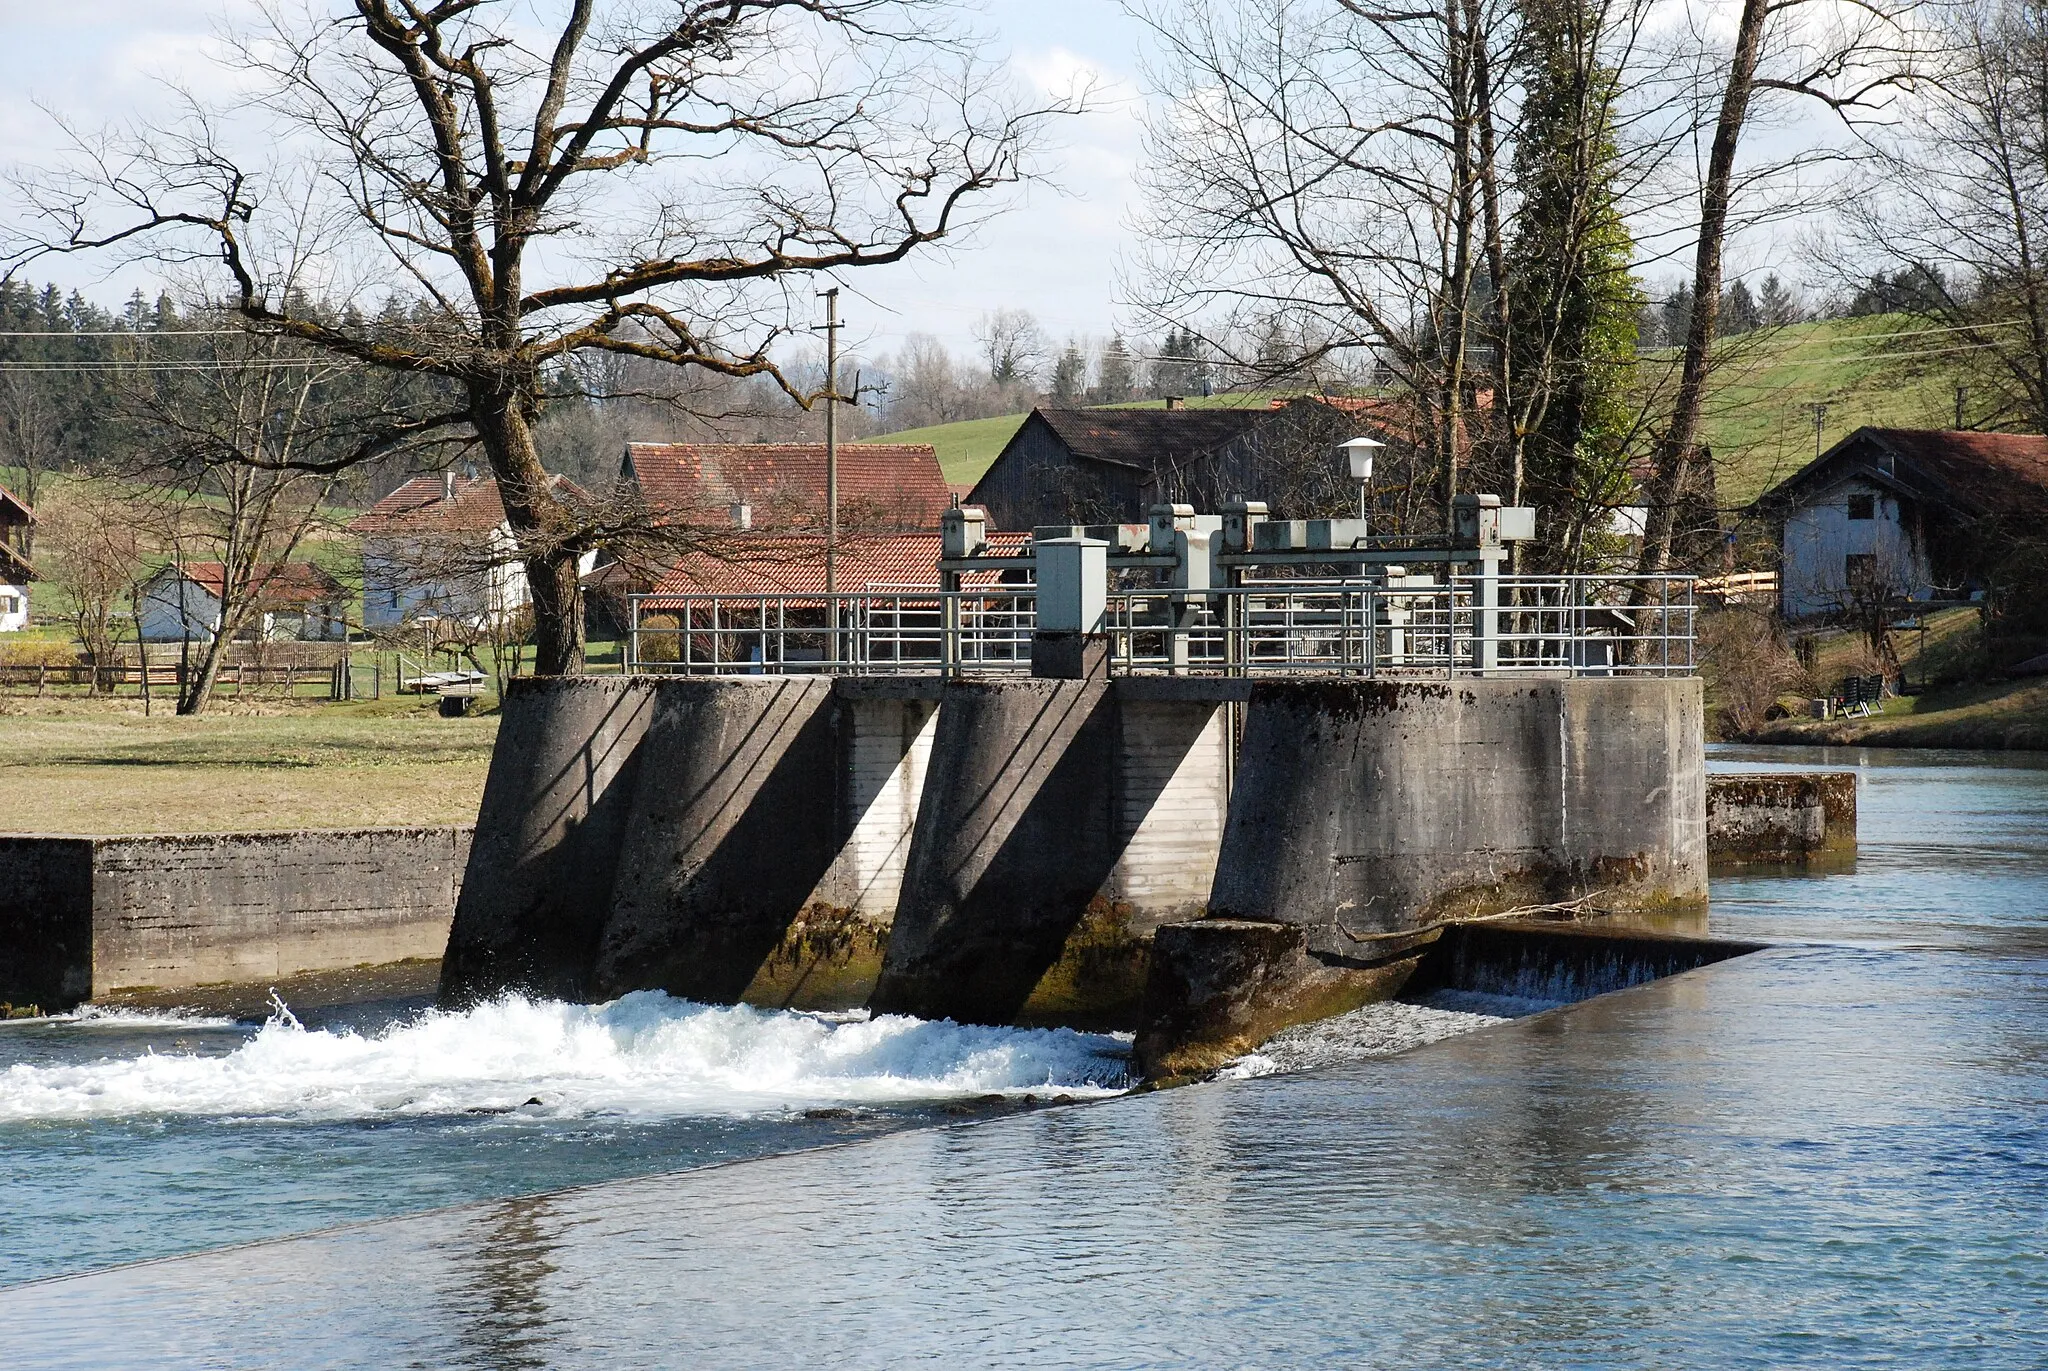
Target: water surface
1828,1154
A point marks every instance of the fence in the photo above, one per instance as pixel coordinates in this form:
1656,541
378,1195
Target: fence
1559,625
339,681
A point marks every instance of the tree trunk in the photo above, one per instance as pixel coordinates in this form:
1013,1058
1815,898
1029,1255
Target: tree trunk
500,416
1675,454
196,690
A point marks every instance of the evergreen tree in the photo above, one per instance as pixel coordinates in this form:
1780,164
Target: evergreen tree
1070,375
1739,313
1677,312
1115,378
1776,304
1572,299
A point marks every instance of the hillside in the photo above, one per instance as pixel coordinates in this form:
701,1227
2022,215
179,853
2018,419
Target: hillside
1759,419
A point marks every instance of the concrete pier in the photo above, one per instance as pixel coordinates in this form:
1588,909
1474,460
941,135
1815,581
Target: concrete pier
554,814
1781,817
1365,808
1014,841
734,823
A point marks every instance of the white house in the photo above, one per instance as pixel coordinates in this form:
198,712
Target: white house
440,547
15,572
292,600
1905,514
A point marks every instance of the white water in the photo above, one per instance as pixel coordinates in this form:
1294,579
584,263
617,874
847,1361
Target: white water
643,1055
1380,1030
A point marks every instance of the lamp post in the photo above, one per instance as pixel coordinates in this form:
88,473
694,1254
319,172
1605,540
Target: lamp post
1358,452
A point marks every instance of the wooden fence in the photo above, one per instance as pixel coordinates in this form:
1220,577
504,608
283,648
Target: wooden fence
337,682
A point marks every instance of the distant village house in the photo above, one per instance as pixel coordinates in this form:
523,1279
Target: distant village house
1909,514
15,572
1112,465
441,547
290,601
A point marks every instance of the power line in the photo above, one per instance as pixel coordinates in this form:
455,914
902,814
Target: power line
127,333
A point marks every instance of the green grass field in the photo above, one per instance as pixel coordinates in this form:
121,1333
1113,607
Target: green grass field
78,766
1759,416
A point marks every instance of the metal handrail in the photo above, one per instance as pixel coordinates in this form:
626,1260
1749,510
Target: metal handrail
1465,626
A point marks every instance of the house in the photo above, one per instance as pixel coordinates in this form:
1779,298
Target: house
15,572
883,487
441,547
1112,465
290,600
1913,514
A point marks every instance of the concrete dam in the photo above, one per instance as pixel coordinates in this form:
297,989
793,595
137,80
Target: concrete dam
1169,826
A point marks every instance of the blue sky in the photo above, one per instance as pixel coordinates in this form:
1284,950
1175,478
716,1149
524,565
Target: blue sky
103,61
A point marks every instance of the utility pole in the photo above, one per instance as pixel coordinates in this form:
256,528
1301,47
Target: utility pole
1820,421
832,327
1962,398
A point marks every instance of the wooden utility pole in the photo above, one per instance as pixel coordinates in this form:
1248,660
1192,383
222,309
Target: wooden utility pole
832,327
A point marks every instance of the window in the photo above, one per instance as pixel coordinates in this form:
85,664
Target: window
9,605
1862,507
1859,570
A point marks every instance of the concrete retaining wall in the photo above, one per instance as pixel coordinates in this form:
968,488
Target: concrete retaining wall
1781,816
81,917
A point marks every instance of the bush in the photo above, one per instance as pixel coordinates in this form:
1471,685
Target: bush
38,652
1748,666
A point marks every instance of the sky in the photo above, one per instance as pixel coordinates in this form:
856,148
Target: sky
1054,253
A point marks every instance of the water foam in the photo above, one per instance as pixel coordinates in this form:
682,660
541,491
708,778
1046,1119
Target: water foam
645,1055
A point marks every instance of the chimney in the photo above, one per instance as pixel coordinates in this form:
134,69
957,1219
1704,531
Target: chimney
447,487
742,516
1175,401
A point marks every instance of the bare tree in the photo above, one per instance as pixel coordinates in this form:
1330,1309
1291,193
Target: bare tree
1013,346
1847,59
239,440
1339,175
1962,199
29,435
643,180
94,539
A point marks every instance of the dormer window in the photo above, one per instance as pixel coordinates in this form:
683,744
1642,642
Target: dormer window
1862,506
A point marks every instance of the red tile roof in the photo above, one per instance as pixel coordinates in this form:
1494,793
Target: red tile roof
422,506
284,583
781,564
882,486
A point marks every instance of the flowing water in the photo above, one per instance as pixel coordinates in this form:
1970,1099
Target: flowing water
1832,1153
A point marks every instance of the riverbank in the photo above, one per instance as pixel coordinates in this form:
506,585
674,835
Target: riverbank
2007,716
103,768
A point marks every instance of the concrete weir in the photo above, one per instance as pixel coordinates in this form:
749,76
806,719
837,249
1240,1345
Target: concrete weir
1084,851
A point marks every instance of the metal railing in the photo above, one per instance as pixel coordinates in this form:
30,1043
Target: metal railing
1471,625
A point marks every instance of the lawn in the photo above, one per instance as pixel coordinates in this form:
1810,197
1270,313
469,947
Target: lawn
965,449
80,766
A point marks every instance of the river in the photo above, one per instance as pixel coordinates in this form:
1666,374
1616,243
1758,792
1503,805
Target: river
1830,1153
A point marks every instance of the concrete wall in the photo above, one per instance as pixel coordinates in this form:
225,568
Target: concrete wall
1781,816
1363,809
81,917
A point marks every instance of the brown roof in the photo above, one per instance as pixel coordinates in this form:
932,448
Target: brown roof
783,564
881,485
1990,474
10,501
283,583
1148,439
421,507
